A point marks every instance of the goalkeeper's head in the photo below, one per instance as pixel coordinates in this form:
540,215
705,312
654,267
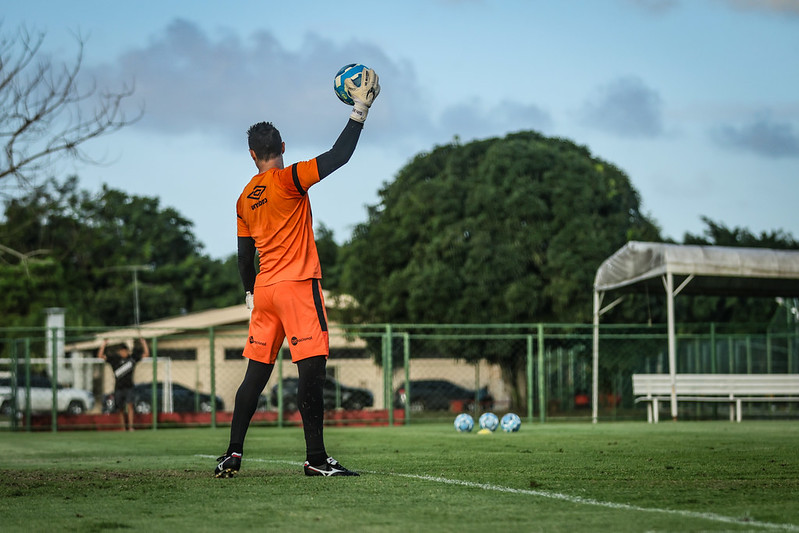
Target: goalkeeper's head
264,141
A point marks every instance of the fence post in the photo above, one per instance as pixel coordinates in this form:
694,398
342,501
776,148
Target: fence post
730,355
280,387
477,389
698,356
13,383
387,356
153,388
213,375
27,384
406,357
769,355
789,337
530,389
54,383
542,394
712,347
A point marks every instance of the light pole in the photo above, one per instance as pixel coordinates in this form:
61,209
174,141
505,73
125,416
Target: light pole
135,269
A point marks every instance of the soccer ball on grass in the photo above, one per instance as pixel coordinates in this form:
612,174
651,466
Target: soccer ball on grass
510,423
489,421
464,423
353,70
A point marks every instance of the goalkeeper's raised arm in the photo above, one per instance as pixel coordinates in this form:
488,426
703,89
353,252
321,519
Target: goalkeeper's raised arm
363,96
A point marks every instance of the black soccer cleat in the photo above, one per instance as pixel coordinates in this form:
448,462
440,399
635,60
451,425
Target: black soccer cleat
228,465
330,468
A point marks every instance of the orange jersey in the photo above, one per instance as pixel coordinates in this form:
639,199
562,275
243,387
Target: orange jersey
275,211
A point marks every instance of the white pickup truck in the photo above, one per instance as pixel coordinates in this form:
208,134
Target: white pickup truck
71,401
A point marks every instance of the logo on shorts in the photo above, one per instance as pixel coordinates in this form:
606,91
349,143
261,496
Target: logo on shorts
295,341
253,341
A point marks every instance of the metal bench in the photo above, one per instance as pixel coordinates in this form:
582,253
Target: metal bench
734,389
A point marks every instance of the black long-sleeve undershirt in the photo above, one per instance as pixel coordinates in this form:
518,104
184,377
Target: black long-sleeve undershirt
246,253
341,151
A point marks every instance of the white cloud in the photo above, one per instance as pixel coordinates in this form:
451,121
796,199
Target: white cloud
776,7
655,6
625,107
194,83
763,136
471,120
191,82
780,7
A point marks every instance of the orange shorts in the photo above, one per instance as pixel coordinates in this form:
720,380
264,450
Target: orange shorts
293,309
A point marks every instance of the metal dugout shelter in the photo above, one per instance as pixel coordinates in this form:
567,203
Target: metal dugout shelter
689,269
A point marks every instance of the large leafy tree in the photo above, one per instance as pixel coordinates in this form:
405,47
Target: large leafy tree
500,230
86,249
504,230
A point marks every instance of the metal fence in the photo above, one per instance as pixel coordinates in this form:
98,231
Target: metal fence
51,379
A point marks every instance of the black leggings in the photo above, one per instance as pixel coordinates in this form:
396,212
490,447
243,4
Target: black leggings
310,401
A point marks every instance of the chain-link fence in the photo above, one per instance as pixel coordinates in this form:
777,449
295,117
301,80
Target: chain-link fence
377,374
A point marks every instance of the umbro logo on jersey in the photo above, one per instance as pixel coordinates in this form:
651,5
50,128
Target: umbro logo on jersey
257,192
258,204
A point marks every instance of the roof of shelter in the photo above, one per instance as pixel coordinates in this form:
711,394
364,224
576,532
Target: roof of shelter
227,316
718,270
235,315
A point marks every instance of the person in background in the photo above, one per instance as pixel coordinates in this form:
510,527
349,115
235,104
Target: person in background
123,362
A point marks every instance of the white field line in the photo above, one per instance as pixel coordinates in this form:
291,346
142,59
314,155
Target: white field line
563,497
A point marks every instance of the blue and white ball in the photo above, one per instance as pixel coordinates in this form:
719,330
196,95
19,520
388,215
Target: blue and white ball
510,423
353,70
489,421
464,423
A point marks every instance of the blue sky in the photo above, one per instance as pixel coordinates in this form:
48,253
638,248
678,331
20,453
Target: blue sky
696,100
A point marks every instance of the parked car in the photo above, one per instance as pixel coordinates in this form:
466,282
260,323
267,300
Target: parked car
69,400
440,394
351,398
5,403
184,399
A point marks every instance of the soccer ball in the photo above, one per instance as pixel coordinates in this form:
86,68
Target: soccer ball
489,421
510,423
464,423
353,70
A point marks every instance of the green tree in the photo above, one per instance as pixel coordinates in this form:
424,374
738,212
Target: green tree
500,230
86,245
504,230
328,250
733,309
49,112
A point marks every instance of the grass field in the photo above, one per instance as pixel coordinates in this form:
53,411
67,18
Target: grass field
686,476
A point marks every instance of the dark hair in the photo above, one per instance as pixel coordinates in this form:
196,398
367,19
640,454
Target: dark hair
264,139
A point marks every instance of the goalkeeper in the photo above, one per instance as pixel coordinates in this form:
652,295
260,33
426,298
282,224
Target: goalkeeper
274,218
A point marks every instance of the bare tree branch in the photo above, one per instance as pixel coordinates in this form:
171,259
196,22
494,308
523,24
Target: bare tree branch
48,112
44,111
24,259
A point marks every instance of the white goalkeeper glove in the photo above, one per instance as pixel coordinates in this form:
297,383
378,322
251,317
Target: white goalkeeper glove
363,95
248,300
